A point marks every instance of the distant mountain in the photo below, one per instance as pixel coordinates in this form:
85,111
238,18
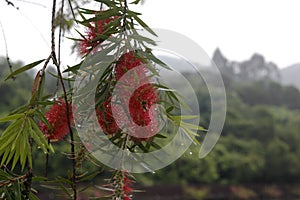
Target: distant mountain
254,69
291,75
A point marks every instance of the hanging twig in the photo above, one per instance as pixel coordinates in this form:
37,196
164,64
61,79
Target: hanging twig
60,29
57,64
12,180
72,11
6,51
9,3
47,161
125,13
29,175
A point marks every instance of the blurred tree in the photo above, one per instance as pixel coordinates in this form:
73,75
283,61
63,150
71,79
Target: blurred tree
14,93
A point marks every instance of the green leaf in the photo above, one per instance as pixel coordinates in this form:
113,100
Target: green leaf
160,136
39,178
103,15
41,117
64,189
192,126
143,148
17,153
181,117
39,137
33,197
4,175
170,109
109,3
192,134
142,39
24,149
74,68
21,109
22,69
6,141
154,59
29,156
136,2
155,145
17,191
10,156
13,127
87,11
12,117
75,39
141,22
4,157
88,177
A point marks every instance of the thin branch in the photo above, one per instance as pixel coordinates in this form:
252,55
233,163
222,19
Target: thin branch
6,50
9,3
29,175
57,64
47,160
12,180
53,29
125,12
60,29
71,133
72,11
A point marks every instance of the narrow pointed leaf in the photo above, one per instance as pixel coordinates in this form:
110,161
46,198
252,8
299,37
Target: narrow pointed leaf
22,69
11,117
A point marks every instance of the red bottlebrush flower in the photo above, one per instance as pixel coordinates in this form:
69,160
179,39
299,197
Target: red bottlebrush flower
127,189
58,119
126,197
94,30
139,121
127,181
127,62
140,103
127,186
106,118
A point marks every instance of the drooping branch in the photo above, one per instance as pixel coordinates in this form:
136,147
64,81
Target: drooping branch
9,3
57,64
6,51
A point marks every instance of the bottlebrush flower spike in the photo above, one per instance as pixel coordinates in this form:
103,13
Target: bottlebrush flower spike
57,118
140,120
140,103
106,118
127,62
143,97
127,186
95,29
126,197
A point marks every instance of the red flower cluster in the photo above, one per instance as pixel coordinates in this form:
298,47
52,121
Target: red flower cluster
57,118
106,118
127,62
139,121
94,30
140,103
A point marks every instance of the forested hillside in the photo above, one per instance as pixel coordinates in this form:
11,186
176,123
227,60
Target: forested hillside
259,143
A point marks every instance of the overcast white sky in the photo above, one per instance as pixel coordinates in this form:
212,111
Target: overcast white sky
239,27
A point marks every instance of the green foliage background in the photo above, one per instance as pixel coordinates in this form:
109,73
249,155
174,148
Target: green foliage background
259,143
